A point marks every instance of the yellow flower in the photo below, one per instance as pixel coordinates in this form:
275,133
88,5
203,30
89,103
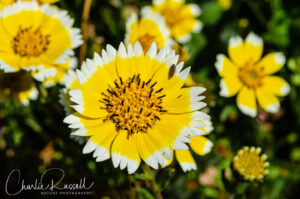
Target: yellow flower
225,4
61,73
251,77
147,30
182,51
36,37
4,3
132,106
18,87
250,164
181,18
199,144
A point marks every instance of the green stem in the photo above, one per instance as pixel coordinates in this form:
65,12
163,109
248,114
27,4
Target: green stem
153,184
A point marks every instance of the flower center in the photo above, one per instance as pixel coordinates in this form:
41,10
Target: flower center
29,42
146,41
172,16
250,164
251,75
133,105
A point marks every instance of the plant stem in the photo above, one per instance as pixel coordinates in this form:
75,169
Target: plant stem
84,28
153,184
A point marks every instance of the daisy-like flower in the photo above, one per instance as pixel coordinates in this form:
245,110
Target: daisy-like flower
250,77
36,37
4,3
250,164
148,29
61,73
199,144
180,18
132,106
18,87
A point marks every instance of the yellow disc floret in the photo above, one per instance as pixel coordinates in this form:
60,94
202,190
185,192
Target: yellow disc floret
250,164
133,105
251,75
29,42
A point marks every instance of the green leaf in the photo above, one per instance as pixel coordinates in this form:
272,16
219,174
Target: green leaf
211,13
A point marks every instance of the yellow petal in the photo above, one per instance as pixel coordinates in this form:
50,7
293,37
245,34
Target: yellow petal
230,86
124,152
246,101
272,62
201,145
225,67
267,100
276,85
186,160
236,51
253,47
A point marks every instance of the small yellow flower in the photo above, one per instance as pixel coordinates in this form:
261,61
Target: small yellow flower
36,38
181,18
182,51
61,73
225,4
249,77
147,30
132,106
4,3
250,164
18,87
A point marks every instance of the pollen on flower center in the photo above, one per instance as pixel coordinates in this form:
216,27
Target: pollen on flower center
29,42
146,41
251,75
250,164
133,105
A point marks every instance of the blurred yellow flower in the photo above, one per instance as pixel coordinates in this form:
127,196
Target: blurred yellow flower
4,3
18,87
225,4
250,164
147,30
181,18
249,77
36,45
139,111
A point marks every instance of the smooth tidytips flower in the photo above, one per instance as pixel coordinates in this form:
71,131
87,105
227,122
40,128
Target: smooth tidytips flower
251,78
199,144
18,87
250,164
132,106
36,37
180,18
148,29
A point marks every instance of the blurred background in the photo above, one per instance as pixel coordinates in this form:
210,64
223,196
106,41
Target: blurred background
34,138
